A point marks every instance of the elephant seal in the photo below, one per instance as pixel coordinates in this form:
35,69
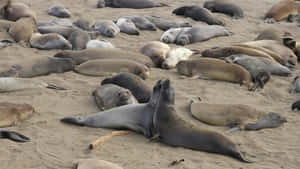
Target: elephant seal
106,28
99,44
55,22
214,69
104,67
254,64
11,113
165,24
170,35
200,33
281,10
296,106
9,84
109,96
242,116
59,11
101,4
157,51
198,14
135,4
49,41
170,129
13,11
223,6
176,55
79,39
137,86
62,30
142,22
103,53
135,117
83,24
95,164
23,29
38,67
14,136
127,26
295,85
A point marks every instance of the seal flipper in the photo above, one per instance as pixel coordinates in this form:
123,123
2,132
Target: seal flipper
242,157
51,86
14,136
73,120
271,120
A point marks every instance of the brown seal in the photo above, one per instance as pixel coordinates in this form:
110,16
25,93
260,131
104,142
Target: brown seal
13,11
157,51
23,29
282,10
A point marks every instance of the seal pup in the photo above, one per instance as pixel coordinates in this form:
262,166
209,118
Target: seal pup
296,106
9,84
11,113
103,53
170,35
79,39
102,43
105,67
109,96
157,51
223,6
137,86
198,13
127,26
255,64
135,4
170,129
59,11
49,41
142,22
135,117
106,28
281,10
95,164
176,55
12,135
295,85
38,67
23,29
200,33
214,69
13,11
239,116
165,24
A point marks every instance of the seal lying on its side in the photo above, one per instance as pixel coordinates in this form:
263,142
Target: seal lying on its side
235,115
227,8
135,4
165,24
135,117
12,135
49,41
109,96
176,55
170,129
157,51
138,87
127,26
281,10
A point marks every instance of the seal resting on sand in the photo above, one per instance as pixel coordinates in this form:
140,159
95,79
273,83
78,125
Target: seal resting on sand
135,4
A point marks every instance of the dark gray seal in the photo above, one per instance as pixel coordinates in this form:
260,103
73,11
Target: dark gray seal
79,39
59,11
109,96
199,14
172,130
142,23
12,135
135,4
132,82
227,8
295,85
165,24
136,117
296,105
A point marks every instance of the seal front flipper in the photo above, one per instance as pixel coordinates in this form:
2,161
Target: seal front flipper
73,120
51,86
14,136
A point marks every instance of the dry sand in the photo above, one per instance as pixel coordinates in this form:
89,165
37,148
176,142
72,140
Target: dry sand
55,145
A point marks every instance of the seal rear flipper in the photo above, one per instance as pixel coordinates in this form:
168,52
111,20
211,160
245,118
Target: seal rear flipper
73,120
271,120
51,86
14,136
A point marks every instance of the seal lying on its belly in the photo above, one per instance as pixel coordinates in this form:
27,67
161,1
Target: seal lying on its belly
136,117
172,130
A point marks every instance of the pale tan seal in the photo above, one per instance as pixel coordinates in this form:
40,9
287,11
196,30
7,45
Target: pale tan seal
242,116
23,29
79,39
214,69
156,50
11,113
107,67
49,41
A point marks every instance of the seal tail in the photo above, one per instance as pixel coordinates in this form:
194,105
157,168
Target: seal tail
51,86
73,120
14,136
